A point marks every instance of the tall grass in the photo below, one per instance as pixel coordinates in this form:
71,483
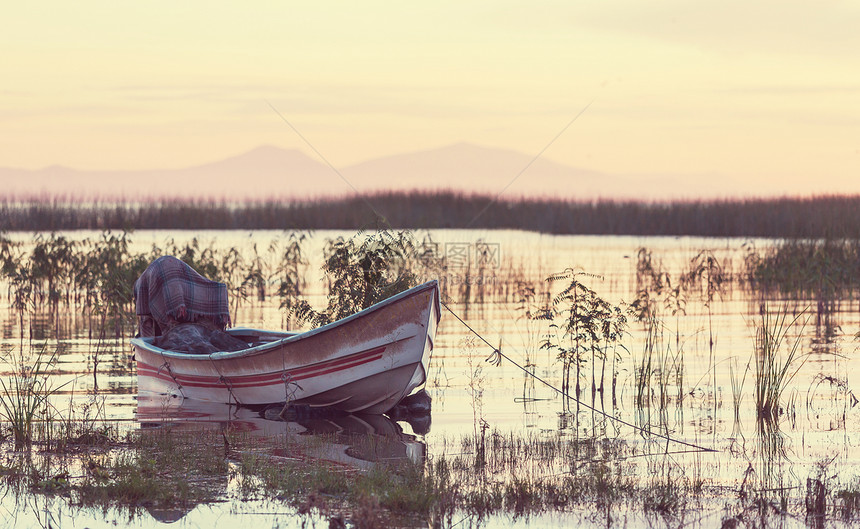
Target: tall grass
662,364
290,272
823,268
707,276
823,216
532,306
659,377
97,275
773,368
737,392
26,393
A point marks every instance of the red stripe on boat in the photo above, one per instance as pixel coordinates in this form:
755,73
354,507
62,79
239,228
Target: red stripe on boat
267,379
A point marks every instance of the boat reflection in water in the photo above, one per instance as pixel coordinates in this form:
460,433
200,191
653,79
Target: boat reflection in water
353,441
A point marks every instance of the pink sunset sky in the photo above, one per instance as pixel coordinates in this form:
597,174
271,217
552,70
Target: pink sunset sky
764,96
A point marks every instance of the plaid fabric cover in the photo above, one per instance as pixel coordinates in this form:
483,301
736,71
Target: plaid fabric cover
170,292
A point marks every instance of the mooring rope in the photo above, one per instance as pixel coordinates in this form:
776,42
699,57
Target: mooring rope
224,380
288,395
497,351
166,366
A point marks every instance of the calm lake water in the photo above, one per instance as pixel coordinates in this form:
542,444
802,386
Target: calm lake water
708,365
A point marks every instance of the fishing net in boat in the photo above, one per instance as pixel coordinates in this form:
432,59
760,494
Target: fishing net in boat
194,338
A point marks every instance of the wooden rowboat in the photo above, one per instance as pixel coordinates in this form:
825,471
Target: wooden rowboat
366,362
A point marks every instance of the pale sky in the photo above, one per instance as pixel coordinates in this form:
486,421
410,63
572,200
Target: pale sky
764,93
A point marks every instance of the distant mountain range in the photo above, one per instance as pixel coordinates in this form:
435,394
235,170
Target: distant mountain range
269,172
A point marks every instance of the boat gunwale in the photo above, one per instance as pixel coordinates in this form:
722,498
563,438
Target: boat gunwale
146,343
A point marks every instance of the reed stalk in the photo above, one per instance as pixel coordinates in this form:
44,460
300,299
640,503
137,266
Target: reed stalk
737,393
26,393
773,369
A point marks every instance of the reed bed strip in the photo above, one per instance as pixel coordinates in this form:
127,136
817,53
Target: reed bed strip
816,217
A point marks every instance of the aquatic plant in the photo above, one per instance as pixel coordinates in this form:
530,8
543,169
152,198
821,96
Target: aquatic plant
583,323
658,292
737,392
203,260
107,276
289,271
97,275
475,389
647,365
816,492
85,423
668,492
846,499
655,289
52,262
658,370
772,483
255,274
363,270
231,265
650,283
16,270
773,370
160,468
823,268
535,315
706,275
26,393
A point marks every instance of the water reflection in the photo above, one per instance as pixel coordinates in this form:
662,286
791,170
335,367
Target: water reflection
356,441
772,459
339,441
